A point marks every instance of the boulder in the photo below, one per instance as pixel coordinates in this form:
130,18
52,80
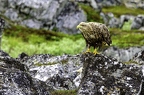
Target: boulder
126,18
16,80
138,22
122,55
114,23
59,72
106,76
49,14
2,25
91,74
134,3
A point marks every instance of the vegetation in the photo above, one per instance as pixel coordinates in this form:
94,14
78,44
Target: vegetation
122,10
92,15
32,41
19,39
64,92
126,38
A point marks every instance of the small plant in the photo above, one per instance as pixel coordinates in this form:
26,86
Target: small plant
64,92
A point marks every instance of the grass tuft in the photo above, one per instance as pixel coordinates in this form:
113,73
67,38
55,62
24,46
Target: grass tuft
122,10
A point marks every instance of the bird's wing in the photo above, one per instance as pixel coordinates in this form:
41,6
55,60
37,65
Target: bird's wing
105,34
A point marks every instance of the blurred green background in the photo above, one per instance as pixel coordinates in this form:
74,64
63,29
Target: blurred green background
18,39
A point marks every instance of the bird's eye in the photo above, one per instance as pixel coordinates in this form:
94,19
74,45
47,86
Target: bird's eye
82,25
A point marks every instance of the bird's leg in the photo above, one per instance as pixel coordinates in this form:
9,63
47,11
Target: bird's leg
88,48
95,51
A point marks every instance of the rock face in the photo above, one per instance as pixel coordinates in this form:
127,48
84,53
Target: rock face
104,76
134,3
60,72
49,14
15,79
135,22
42,73
138,22
122,55
2,24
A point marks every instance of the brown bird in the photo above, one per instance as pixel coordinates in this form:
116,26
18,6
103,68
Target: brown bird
95,34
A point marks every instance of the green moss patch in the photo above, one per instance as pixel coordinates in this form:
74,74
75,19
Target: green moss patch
92,14
124,39
122,10
64,92
33,41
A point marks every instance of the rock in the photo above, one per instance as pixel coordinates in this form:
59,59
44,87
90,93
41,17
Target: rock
134,3
138,22
41,73
32,23
15,79
142,28
48,14
110,2
69,18
106,76
2,25
110,20
122,55
94,4
59,72
114,23
12,15
126,18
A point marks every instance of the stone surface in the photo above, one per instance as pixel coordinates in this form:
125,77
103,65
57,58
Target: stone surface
122,55
90,74
134,3
15,79
58,71
114,23
106,76
138,22
62,15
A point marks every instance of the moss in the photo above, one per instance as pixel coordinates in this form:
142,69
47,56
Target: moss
127,25
131,62
122,10
124,39
19,39
92,14
64,92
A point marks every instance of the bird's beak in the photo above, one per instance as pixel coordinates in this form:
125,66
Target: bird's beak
78,27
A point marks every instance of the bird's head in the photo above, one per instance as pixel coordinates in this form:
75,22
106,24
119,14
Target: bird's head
84,26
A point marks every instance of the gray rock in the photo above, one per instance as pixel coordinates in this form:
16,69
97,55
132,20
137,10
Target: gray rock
125,18
138,22
122,55
94,4
32,23
114,23
2,25
109,2
12,14
142,28
110,20
69,19
49,14
41,73
15,80
60,72
134,3
105,76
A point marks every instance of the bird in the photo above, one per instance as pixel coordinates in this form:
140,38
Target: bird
95,34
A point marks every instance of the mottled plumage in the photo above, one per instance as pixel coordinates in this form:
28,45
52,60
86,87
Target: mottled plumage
95,34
